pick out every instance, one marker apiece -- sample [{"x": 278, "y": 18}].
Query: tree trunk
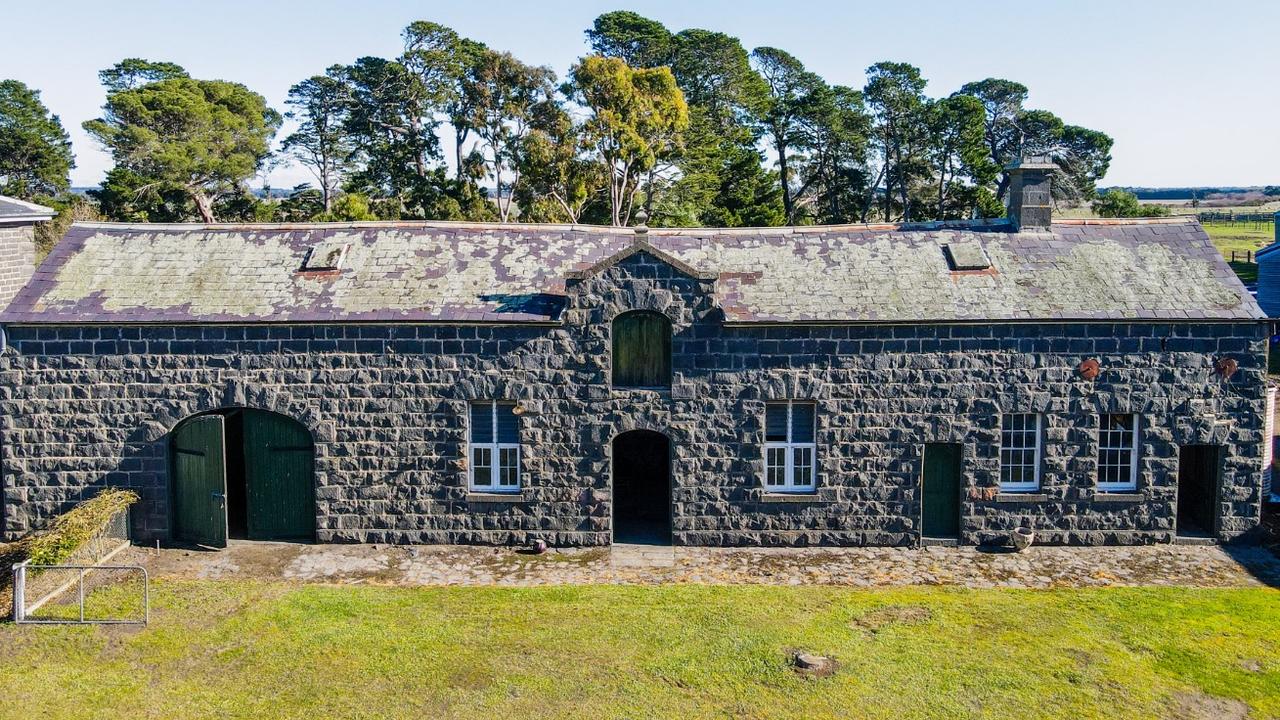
[
  {"x": 326, "y": 183},
  {"x": 204, "y": 205},
  {"x": 788, "y": 202}
]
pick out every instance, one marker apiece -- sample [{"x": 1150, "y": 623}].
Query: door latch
[{"x": 221, "y": 498}]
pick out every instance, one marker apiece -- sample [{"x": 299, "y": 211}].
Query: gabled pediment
[{"x": 636, "y": 247}]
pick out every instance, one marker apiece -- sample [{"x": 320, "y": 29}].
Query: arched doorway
[
  {"x": 642, "y": 488},
  {"x": 242, "y": 473}
]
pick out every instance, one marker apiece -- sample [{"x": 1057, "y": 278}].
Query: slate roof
[
  {"x": 460, "y": 272},
  {"x": 13, "y": 209}
]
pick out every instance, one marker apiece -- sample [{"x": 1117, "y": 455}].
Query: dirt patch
[
  {"x": 257, "y": 560},
  {"x": 813, "y": 665},
  {"x": 881, "y": 618},
  {"x": 1200, "y": 706}
]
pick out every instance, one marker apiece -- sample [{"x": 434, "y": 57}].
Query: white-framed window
[
  {"x": 1118, "y": 452},
  {"x": 1020, "y": 452},
  {"x": 495, "y": 447},
  {"x": 789, "y": 448}
]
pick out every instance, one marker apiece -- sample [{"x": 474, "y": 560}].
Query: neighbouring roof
[
  {"x": 461, "y": 272},
  {"x": 14, "y": 210}
]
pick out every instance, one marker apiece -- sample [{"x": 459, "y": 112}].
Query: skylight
[
  {"x": 966, "y": 255},
  {"x": 327, "y": 255}
]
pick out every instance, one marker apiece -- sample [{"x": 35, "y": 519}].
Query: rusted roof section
[{"x": 461, "y": 272}]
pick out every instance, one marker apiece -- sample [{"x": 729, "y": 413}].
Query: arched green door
[
  {"x": 199, "y": 488},
  {"x": 279, "y": 473}
]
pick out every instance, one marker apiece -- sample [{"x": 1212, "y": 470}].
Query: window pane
[
  {"x": 775, "y": 466},
  {"x": 642, "y": 350},
  {"x": 508, "y": 424},
  {"x": 1019, "y": 440},
  {"x": 1116, "y": 435},
  {"x": 510, "y": 468},
  {"x": 482, "y": 466},
  {"x": 775, "y": 422},
  {"x": 802, "y": 415},
  {"x": 802, "y": 466},
  {"x": 482, "y": 422}
]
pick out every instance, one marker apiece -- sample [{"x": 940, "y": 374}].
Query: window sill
[
  {"x": 797, "y": 497},
  {"x": 1118, "y": 496},
  {"x": 495, "y": 497},
  {"x": 1021, "y": 497}
]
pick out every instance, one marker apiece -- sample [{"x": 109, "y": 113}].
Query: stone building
[
  {"x": 1098, "y": 381},
  {"x": 17, "y": 243}
]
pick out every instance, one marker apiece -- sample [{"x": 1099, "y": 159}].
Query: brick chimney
[
  {"x": 1030, "y": 202},
  {"x": 18, "y": 221}
]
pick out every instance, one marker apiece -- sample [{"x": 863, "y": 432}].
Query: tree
[
  {"x": 559, "y": 180},
  {"x": 322, "y": 107},
  {"x": 442, "y": 61},
  {"x": 637, "y": 40},
  {"x": 895, "y": 97},
  {"x": 351, "y": 207},
  {"x": 507, "y": 95},
  {"x": 203, "y": 138},
  {"x": 781, "y": 113},
  {"x": 35, "y": 150},
  {"x": 1124, "y": 204},
  {"x": 958, "y": 150},
  {"x": 1012, "y": 132},
  {"x": 395, "y": 138},
  {"x": 637, "y": 118},
  {"x": 131, "y": 73},
  {"x": 834, "y": 125}
]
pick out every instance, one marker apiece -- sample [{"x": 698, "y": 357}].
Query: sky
[{"x": 1189, "y": 90}]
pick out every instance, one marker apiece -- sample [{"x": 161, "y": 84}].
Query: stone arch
[{"x": 236, "y": 394}]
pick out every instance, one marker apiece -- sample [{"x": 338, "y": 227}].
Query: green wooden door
[
  {"x": 941, "y": 496},
  {"x": 200, "y": 481},
  {"x": 641, "y": 350},
  {"x": 279, "y": 473}
]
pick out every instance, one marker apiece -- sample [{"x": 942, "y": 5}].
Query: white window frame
[
  {"x": 1034, "y": 485},
  {"x": 495, "y": 450},
  {"x": 792, "y": 484},
  {"x": 1131, "y": 484}
]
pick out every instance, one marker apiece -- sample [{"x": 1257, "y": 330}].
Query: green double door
[
  {"x": 246, "y": 470},
  {"x": 941, "y": 495}
]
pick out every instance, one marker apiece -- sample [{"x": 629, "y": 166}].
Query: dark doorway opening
[
  {"x": 642, "y": 488},
  {"x": 1198, "y": 468},
  {"x": 242, "y": 474},
  {"x": 941, "y": 494}
]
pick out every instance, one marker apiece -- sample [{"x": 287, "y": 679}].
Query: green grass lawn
[
  {"x": 263, "y": 650},
  {"x": 1241, "y": 238}
]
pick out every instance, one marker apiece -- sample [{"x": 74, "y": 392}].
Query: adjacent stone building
[
  {"x": 17, "y": 243},
  {"x": 1098, "y": 381}
]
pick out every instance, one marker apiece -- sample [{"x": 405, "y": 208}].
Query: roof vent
[
  {"x": 966, "y": 256},
  {"x": 327, "y": 255}
]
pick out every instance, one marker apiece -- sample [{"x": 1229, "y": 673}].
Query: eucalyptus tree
[
  {"x": 507, "y": 94},
  {"x": 637, "y": 118}
]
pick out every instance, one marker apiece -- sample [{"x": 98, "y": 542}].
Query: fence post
[{"x": 19, "y": 591}]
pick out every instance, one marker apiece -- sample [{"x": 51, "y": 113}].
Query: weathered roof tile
[{"x": 1160, "y": 269}]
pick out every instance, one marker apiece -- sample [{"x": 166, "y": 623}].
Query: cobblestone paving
[{"x": 1041, "y": 567}]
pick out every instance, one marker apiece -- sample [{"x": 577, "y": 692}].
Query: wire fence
[{"x": 84, "y": 588}]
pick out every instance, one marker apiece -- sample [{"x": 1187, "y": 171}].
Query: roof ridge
[
  {"x": 578, "y": 227},
  {"x": 1166, "y": 220}
]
